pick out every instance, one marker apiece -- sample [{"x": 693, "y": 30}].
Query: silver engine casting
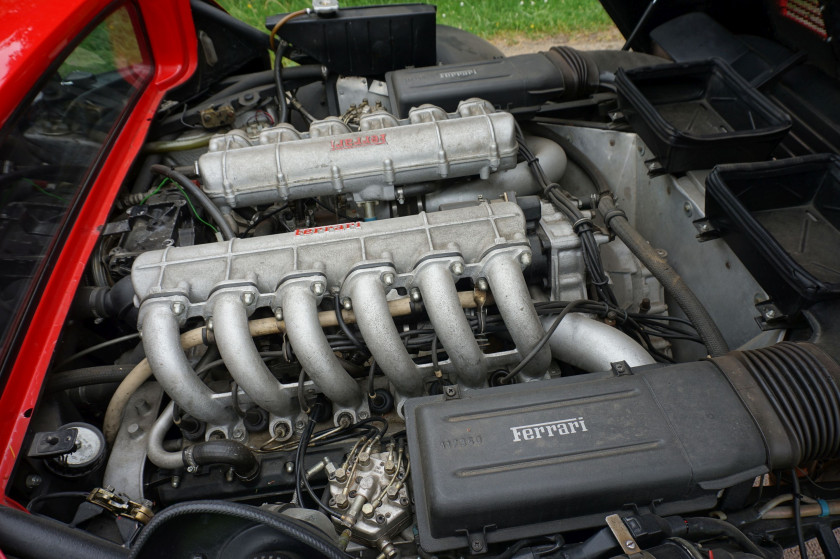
[
  {"x": 429, "y": 145},
  {"x": 365, "y": 263}
]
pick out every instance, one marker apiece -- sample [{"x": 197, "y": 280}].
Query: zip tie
[{"x": 824, "y": 510}]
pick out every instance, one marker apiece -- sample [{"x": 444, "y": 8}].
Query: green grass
[{"x": 487, "y": 18}]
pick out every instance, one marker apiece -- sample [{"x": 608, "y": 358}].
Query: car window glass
[{"x": 50, "y": 148}]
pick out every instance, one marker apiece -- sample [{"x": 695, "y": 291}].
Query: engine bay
[{"x": 375, "y": 304}]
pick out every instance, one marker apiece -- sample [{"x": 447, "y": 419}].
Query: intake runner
[{"x": 422, "y": 255}]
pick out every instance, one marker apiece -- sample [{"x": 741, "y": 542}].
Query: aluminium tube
[
  {"x": 162, "y": 342},
  {"x": 230, "y": 327},
  {"x": 373, "y": 317},
  {"x": 592, "y": 345},
  {"x": 441, "y": 301},
  {"x": 300, "y": 313},
  {"x": 514, "y": 302},
  {"x": 154, "y": 446},
  {"x": 520, "y": 179}
]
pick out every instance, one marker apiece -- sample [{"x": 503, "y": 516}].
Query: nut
[
  {"x": 525, "y": 258},
  {"x": 457, "y": 268},
  {"x": 415, "y": 295},
  {"x": 177, "y": 308},
  {"x": 388, "y": 278},
  {"x": 318, "y": 288},
  {"x": 248, "y": 298}
]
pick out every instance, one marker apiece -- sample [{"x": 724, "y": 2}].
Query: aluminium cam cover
[
  {"x": 331, "y": 159},
  {"x": 332, "y": 251}
]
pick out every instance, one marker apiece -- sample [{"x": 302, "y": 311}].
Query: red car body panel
[{"x": 34, "y": 36}]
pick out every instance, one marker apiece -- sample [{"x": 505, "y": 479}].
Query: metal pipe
[
  {"x": 514, "y": 302},
  {"x": 300, "y": 313},
  {"x": 520, "y": 179},
  {"x": 230, "y": 327},
  {"x": 373, "y": 316},
  {"x": 441, "y": 300},
  {"x": 154, "y": 446},
  {"x": 592, "y": 345},
  {"x": 169, "y": 364}
]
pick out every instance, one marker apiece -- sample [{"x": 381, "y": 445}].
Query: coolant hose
[
  {"x": 87, "y": 376},
  {"x": 674, "y": 285},
  {"x": 285, "y": 526},
  {"x": 231, "y": 453}
]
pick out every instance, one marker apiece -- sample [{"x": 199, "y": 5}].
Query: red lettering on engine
[
  {"x": 328, "y": 228},
  {"x": 360, "y": 141}
]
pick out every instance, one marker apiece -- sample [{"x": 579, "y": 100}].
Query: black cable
[
  {"x": 797, "y": 515},
  {"x": 371, "y": 374},
  {"x": 234, "y": 397},
  {"x": 299, "y": 454},
  {"x": 343, "y": 325},
  {"x": 199, "y": 196},
  {"x": 264, "y": 217},
  {"x": 536, "y": 349},
  {"x": 282, "y": 105}
]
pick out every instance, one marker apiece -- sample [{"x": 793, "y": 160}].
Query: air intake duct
[
  {"x": 526, "y": 80},
  {"x": 540, "y": 458}
]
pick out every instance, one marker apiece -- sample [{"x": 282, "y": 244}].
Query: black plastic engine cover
[{"x": 557, "y": 455}]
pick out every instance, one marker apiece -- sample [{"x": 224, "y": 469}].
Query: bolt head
[
  {"x": 476, "y": 545},
  {"x": 363, "y": 415},
  {"x": 388, "y": 278},
  {"x": 210, "y": 324},
  {"x": 525, "y": 258},
  {"x": 177, "y": 308},
  {"x": 289, "y": 467},
  {"x": 238, "y": 434},
  {"x": 482, "y": 284},
  {"x": 278, "y": 314},
  {"x": 318, "y": 288},
  {"x": 415, "y": 295},
  {"x": 248, "y": 298},
  {"x": 630, "y": 544},
  {"x": 347, "y": 304},
  {"x": 457, "y": 268},
  {"x": 770, "y": 314}
]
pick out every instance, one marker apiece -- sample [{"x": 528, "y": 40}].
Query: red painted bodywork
[{"x": 33, "y": 35}]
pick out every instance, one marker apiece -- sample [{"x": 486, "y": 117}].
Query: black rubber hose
[
  {"x": 87, "y": 376},
  {"x": 699, "y": 528},
  {"x": 288, "y": 527},
  {"x": 199, "y": 196},
  {"x": 669, "y": 278},
  {"x": 227, "y": 452},
  {"x": 236, "y": 26},
  {"x": 34, "y": 537},
  {"x": 283, "y": 107}
]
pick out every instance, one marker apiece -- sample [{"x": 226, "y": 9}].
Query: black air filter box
[
  {"x": 366, "y": 40},
  {"x": 551, "y": 456},
  {"x": 782, "y": 219},
  {"x": 526, "y": 80},
  {"x": 696, "y": 115}
]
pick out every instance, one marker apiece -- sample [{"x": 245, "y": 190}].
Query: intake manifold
[{"x": 366, "y": 264}]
